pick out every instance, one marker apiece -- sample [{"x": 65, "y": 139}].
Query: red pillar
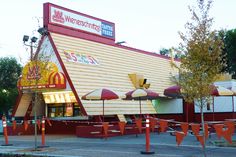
[{"x": 188, "y": 109}]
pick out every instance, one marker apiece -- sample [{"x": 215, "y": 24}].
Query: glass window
[
  {"x": 64, "y": 110},
  {"x": 56, "y": 111},
  {"x": 68, "y": 110}
]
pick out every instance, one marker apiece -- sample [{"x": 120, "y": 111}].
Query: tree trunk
[{"x": 203, "y": 128}]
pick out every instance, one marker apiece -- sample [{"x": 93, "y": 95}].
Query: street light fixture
[
  {"x": 25, "y": 38},
  {"x": 43, "y": 31},
  {"x": 34, "y": 39}
]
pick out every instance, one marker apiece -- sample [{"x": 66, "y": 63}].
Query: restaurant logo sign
[
  {"x": 80, "y": 58},
  {"x": 81, "y": 22},
  {"x": 58, "y": 17},
  {"x": 40, "y": 75}
]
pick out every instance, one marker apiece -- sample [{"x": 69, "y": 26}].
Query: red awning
[{"x": 173, "y": 91}]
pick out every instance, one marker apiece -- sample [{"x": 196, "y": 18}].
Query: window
[{"x": 56, "y": 111}]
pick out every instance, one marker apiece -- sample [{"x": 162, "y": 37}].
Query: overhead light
[
  {"x": 25, "y": 38},
  {"x": 43, "y": 31},
  {"x": 34, "y": 39}
]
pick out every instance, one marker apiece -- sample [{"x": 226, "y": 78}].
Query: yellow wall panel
[
  {"x": 23, "y": 105},
  {"x": 112, "y": 72}
]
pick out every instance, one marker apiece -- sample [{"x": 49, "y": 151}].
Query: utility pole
[{"x": 33, "y": 58}]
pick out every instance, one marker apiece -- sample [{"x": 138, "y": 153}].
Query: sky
[{"x": 147, "y": 25}]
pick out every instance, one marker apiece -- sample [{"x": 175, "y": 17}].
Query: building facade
[{"x": 77, "y": 54}]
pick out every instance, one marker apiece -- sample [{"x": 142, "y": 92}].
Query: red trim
[
  {"x": 67, "y": 75},
  {"x": 45, "y": 14},
  {"x": 17, "y": 103}
]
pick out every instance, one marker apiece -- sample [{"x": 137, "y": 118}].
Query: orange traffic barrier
[
  {"x": 43, "y": 131},
  {"x": 218, "y": 128},
  {"x": 4, "y": 124},
  {"x": 163, "y": 125},
  {"x": 105, "y": 128},
  {"x": 138, "y": 123},
  {"x": 152, "y": 124},
  {"x": 184, "y": 127},
  {"x": 230, "y": 125},
  {"x": 147, "y": 151},
  {"x": 179, "y": 137},
  {"x": 195, "y": 128},
  {"x": 227, "y": 135},
  {"x": 122, "y": 127},
  {"x": 14, "y": 125},
  {"x": 200, "y": 139},
  {"x": 26, "y": 124}
]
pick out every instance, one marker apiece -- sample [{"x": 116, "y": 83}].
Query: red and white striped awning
[
  {"x": 101, "y": 94},
  {"x": 142, "y": 94}
]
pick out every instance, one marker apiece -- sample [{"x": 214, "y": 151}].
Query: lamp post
[{"x": 33, "y": 40}]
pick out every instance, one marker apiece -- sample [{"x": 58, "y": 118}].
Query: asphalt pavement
[{"x": 164, "y": 145}]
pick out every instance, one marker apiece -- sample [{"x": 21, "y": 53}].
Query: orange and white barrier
[
  {"x": 4, "y": 124},
  {"x": 43, "y": 131},
  {"x": 147, "y": 151}
]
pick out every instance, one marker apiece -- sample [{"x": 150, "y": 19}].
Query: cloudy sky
[{"x": 148, "y": 25}]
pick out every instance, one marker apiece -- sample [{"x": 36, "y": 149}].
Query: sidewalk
[{"x": 163, "y": 144}]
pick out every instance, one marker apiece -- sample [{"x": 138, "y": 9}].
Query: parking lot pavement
[{"x": 164, "y": 145}]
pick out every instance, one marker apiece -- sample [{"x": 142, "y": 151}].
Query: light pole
[{"x": 33, "y": 40}]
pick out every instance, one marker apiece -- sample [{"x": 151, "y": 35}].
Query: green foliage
[
  {"x": 230, "y": 51},
  {"x": 201, "y": 61},
  {"x": 164, "y": 52},
  {"x": 10, "y": 71}
]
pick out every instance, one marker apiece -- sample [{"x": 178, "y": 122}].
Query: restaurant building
[{"x": 77, "y": 54}]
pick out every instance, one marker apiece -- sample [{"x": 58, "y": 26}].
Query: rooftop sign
[{"x": 68, "y": 18}]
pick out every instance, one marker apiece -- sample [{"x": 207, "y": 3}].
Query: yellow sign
[
  {"x": 139, "y": 81},
  {"x": 37, "y": 74}
]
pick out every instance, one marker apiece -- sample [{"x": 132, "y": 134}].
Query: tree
[
  {"x": 10, "y": 71},
  {"x": 164, "y": 52},
  {"x": 201, "y": 59},
  {"x": 229, "y": 50}
]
